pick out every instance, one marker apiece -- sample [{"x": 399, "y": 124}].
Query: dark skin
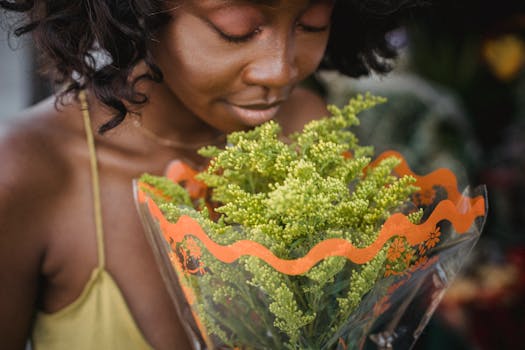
[{"x": 47, "y": 237}]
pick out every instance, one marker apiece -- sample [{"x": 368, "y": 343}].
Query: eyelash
[
  {"x": 244, "y": 38},
  {"x": 311, "y": 29},
  {"x": 236, "y": 39}
]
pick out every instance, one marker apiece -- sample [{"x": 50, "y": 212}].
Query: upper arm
[
  {"x": 18, "y": 274},
  {"x": 21, "y": 244}
]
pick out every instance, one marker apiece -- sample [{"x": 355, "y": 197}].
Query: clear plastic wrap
[{"x": 240, "y": 295}]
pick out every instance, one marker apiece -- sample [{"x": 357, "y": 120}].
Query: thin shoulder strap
[{"x": 94, "y": 179}]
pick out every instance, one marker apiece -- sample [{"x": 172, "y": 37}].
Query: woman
[{"x": 77, "y": 271}]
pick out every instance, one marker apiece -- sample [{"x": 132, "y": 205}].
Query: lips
[{"x": 255, "y": 113}]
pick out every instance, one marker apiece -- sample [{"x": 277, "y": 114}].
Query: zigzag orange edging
[
  {"x": 442, "y": 177},
  {"x": 396, "y": 225}
]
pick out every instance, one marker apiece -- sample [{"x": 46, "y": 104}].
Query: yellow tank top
[{"x": 99, "y": 319}]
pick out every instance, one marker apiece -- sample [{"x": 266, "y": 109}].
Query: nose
[{"x": 274, "y": 66}]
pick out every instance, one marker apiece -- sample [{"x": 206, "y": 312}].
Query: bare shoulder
[
  {"x": 33, "y": 162},
  {"x": 32, "y": 174},
  {"x": 303, "y": 106}
]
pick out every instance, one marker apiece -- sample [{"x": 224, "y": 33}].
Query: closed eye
[
  {"x": 237, "y": 39},
  {"x": 312, "y": 29}
]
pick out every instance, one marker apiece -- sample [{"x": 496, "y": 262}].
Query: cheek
[
  {"x": 310, "y": 52},
  {"x": 192, "y": 61},
  {"x": 197, "y": 64}
]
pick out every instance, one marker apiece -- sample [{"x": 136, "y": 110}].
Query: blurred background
[
  {"x": 20, "y": 84},
  {"x": 456, "y": 100}
]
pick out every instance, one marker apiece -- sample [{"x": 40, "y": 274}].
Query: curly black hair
[{"x": 68, "y": 33}]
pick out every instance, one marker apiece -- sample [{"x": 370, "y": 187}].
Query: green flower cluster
[{"x": 289, "y": 197}]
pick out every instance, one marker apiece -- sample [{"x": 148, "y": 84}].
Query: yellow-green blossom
[{"x": 289, "y": 197}]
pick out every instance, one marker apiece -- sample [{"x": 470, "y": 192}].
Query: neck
[
  {"x": 167, "y": 118},
  {"x": 164, "y": 117}
]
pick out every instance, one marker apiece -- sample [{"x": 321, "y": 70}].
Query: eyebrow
[
  {"x": 274, "y": 2},
  {"x": 269, "y": 3},
  {"x": 266, "y": 2},
  {"x": 256, "y": 2}
]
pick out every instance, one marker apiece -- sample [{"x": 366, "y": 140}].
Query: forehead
[
  {"x": 269, "y": 3},
  {"x": 274, "y": 6}
]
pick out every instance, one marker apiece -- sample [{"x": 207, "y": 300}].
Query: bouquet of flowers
[{"x": 309, "y": 244}]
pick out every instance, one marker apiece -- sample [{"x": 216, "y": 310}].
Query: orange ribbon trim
[
  {"x": 396, "y": 225},
  {"x": 459, "y": 210},
  {"x": 442, "y": 177},
  {"x": 179, "y": 171}
]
